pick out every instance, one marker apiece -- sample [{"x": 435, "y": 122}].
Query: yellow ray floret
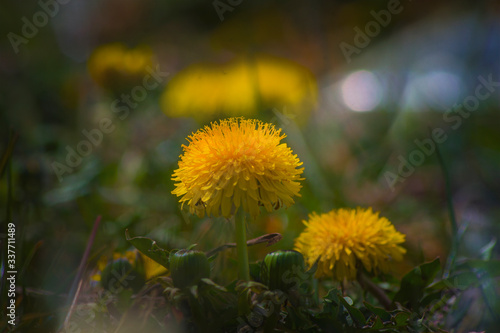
[
  {"x": 345, "y": 238},
  {"x": 237, "y": 163}
]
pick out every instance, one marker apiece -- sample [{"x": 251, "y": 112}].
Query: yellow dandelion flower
[
  {"x": 344, "y": 238},
  {"x": 240, "y": 87},
  {"x": 139, "y": 261},
  {"x": 204, "y": 90},
  {"x": 283, "y": 82},
  {"x": 237, "y": 163},
  {"x": 115, "y": 67}
]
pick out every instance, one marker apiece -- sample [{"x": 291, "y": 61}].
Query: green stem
[
  {"x": 241, "y": 246},
  {"x": 375, "y": 290},
  {"x": 315, "y": 286},
  {"x": 451, "y": 211}
]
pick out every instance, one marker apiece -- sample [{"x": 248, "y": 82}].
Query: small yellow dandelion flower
[
  {"x": 344, "y": 238},
  {"x": 140, "y": 262},
  {"x": 115, "y": 67},
  {"x": 237, "y": 163}
]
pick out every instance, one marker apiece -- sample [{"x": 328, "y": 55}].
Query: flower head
[
  {"x": 117, "y": 68},
  {"x": 136, "y": 259},
  {"x": 237, "y": 163},
  {"x": 239, "y": 87},
  {"x": 343, "y": 238}
]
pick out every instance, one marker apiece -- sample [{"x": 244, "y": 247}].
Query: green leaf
[
  {"x": 432, "y": 298},
  {"x": 413, "y": 284},
  {"x": 332, "y": 296},
  {"x": 149, "y": 248},
  {"x": 254, "y": 286},
  {"x": 216, "y": 298},
  {"x": 194, "y": 291},
  {"x": 490, "y": 297},
  {"x": 192, "y": 246},
  {"x": 28, "y": 259},
  {"x": 356, "y": 315},
  {"x": 378, "y": 324},
  {"x": 255, "y": 270},
  {"x": 207, "y": 283},
  {"x": 460, "y": 281},
  {"x": 401, "y": 319},
  {"x": 488, "y": 249},
  {"x": 313, "y": 268},
  {"x": 379, "y": 312},
  {"x": 331, "y": 304},
  {"x": 244, "y": 302},
  {"x": 485, "y": 273},
  {"x": 212, "y": 258},
  {"x": 490, "y": 267},
  {"x": 349, "y": 300}
]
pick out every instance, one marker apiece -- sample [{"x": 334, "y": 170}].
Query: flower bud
[
  {"x": 283, "y": 270},
  {"x": 188, "y": 268}
]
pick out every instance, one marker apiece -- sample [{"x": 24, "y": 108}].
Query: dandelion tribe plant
[
  {"x": 115, "y": 67},
  {"x": 240, "y": 87},
  {"x": 345, "y": 239},
  {"x": 237, "y": 164}
]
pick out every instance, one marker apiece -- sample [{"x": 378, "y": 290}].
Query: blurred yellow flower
[
  {"x": 240, "y": 88},
  {"x": 343, "y": 238},
  {"x": 237, "y": 162},
  {"x": 116, "y": 67},
  {"x": 139, "y": 261}
]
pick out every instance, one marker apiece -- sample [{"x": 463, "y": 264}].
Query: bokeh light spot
[{"x": 361, "y": 91}]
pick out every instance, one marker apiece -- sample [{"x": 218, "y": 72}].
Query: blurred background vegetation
[{"x": 348, "y": 118}]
